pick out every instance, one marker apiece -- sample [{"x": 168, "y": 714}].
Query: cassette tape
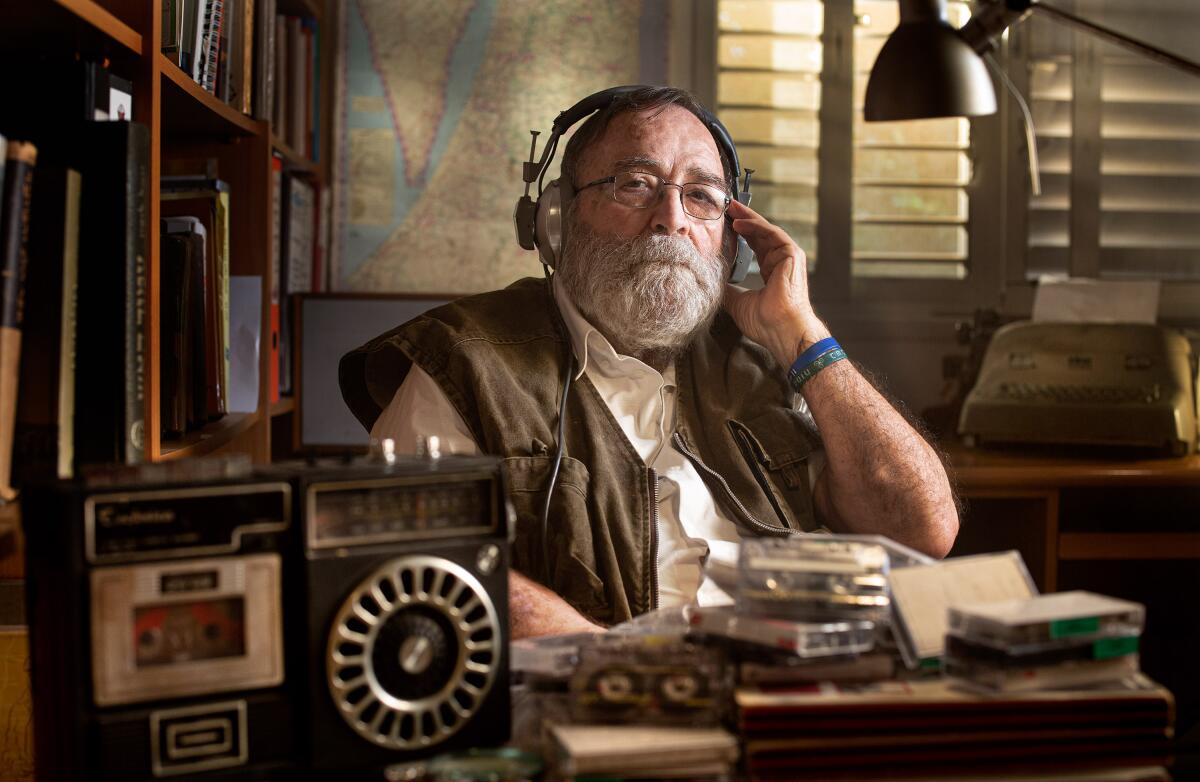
[
  {"x": 984, "y": 677},
  {"x": 1055, "y": 618},
  {"x": 813, "y": 579},
  {"x": 801, "y": 639},
  {"x": 169, "y": 629},
  {"x": 654, "y": 679}
]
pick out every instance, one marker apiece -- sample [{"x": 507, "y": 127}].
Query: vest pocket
[
  {"x": 776, "y": 446},
  {"x": 572, "y": 571}
]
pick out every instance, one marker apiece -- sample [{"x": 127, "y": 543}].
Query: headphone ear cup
[
  {"x": 742, "y": 260},
  {"x": 548, "y": 225}
]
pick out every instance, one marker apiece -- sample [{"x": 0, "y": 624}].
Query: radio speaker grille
[{"x": 413, "y": 652}]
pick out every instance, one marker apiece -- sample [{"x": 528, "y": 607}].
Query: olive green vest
[{"x": 500, "y": 359}]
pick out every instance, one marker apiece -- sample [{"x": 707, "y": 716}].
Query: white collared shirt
[{"x": 691, "y": 527}]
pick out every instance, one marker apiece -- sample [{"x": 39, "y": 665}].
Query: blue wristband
[
  {"x": 806, "y": 358},
  {"x": 813, "y": 360}
]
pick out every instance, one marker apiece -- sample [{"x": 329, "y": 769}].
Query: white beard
[{"x": 647, "y": 294}]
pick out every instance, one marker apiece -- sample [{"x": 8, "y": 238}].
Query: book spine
[
  {"x": 279, "y": 116},
  {"x": 136, "y": 192},
  {"x": 297, "y": 102},
  {"x": 46, "y": 396},
  {"x": 245, "y": 72},
  {"x": 65, "y": 463},
  {"x": 223, "y": 298},
  {"x": 199, "y": 10},
  {"x": 214, "y": 45},
  {"x": 264, "y": 29},
  {"x": 276, "y": 265},
  {"x": 310, "y": 81},
  {"x": 20, "y": 159}
]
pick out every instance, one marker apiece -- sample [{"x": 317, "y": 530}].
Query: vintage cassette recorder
[
  {"x": 405, "y": 597},
  {"x": 156, "y": 629},
  {"x": 304, "y": 621}
]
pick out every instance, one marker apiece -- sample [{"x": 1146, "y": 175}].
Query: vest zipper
[
  {"x": 653, "y": 538},
  {"x": 747, "y": 516}
]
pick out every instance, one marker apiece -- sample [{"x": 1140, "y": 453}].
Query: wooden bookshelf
[
  {"x": 186, "y": 123},
  {"x": 67, "y": 26},
  {"x": 283, "y": 406},
  {"x": 190, "y": 110},
  {"x": 212, "y": 438},
  {"x": 293, "y": 160}
]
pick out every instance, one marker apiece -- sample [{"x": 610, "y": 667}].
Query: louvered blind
[
  {"x": 910, "y": 202},
  {"x": 1137, "y": 196},
  {"x": 769, "y": 60}
]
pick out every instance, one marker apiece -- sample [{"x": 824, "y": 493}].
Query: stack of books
[
  {"x": 258, "y": 61},
  {"x": 932, "y": 727}
]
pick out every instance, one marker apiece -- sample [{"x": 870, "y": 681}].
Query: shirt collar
[{"x": 590, "y": 344}]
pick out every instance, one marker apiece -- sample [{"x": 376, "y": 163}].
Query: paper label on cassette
[{"x": 167, "y": 629}]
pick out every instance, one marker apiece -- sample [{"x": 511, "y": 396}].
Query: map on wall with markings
[{"x": 437, "y": 98}]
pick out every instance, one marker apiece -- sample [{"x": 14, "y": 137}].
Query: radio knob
[
  {"x": 487, "y": 558},
  {"x": 429, "y": 446},
  {"x": 415, "y": 654}
]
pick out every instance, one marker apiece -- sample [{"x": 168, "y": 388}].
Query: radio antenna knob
[{"x": 429, "y": 446}]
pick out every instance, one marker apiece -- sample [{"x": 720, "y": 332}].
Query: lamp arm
[
  {"x": 1120, "y": 39},
  {"x": 992, "y": 19}
]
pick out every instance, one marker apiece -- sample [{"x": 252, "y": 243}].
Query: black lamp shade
[{"x": 926, "y": 69}]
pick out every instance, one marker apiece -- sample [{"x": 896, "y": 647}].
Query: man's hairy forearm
[
  {"x": 535, "y": 610},
  {"x": 881, "y": 475}
]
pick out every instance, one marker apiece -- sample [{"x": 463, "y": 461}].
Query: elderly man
[{"x": 666, "y": 389}]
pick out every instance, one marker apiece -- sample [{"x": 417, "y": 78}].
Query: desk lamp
[{"x": 927, "y": 68}]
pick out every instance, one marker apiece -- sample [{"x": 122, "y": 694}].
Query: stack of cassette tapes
[
  {"x": 812, "y": 597},
  {"x": 648, "y": 679},
  {"x": 1056, "y": 641}
]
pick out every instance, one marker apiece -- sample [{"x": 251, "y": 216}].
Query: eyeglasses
[{"x": 640, "y": 190}]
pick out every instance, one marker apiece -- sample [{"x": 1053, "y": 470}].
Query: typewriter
[{"x": 1088, "y": 384}]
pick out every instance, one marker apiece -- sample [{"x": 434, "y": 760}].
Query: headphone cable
[
  {"x": 558, "y": 451},
  {"x": 558, "y": 454}
]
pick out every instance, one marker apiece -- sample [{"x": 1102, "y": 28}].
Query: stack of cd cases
[
  {"x": 1064, "y": 640},
  {"x": 811, "y": 596}
]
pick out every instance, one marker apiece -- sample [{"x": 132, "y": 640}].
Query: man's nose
[{"x": 668, "y": 215}]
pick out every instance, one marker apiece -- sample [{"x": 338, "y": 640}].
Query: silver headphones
[{"x": 540, "y": 224}]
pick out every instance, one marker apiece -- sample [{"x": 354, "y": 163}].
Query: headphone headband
[{"x": 540, "y": 225}]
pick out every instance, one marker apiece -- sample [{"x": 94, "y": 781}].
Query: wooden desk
[
  {"x": 1123, "y": 527},
  {"x": 1059, "y": 509}
]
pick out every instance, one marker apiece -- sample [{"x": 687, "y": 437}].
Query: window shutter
[
  {"x": 1119, "y": 141},
  {"x": 910, "y": 199},
  {"x": 768, "y": 95}
]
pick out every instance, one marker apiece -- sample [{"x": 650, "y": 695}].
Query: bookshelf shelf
[
  {"x": 68, "y": 26},
  {"x": 293, "y": 159},
  {"x": 284, "y": 406},
  {"x": 213, "y": 437},
  {"x": 189, "y": 108},
  {"x": 299, "y": 8}
]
